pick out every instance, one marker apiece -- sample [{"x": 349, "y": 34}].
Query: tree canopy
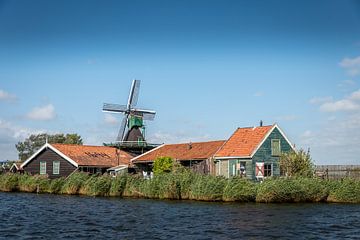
[
  {"x": 163, "y": 165},
  {"x": 297, "y": 164},
  {"x": 35, "y": 141}
]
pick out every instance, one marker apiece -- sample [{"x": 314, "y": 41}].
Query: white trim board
[{"x": 152, "y": 150}]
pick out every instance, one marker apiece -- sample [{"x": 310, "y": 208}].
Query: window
[
  {"x": 275, "y": 147},
  {"x": 42, "y": 167},
  {"x": 267, "y": 170},
  {"x": 56, "y": 167}
]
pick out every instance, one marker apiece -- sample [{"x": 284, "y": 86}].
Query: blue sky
[{"x": 207, "y": 67}]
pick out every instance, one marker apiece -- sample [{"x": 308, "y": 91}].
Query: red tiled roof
[
  {"x": 94, "y": 155},
  {"x": 183, "y": 151},
  {"x": 243, "y": 142}
]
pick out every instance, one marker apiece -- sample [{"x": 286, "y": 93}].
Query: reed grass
[{"x": 188, "y": 185}]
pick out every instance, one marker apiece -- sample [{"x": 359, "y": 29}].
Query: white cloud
[
  {"x": 110, "y": 119},
  {"x": 319, "y": 100},
  {"x": 44, "y": 113},
  {"x": 351, "y": 65},
  {"x": 347, "y": 83},
  {"x": 341, "y": 105},
  {"x": 336, "y": 142},
  {"x": 176, "y": 137},
  {"x": 355, "y": 95},
  {"x": 5, "y": 96},
  {"x": 10, "y": 134},
  {"x": 349, "y": 103}
]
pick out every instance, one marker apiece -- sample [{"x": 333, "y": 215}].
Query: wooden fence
[{"x": 338, "y": 171}]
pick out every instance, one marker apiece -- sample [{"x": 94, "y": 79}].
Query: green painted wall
[{"x": 264, "y": 152}]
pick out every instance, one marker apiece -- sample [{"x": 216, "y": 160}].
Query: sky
[{"x": 206, "y": 68}]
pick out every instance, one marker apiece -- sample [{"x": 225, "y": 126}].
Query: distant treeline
[{"x": 188, "y": 185}]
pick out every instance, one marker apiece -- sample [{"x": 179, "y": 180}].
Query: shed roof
[
  {"x": 182, "y": 151},
  {"x": 244, "y": 141}
]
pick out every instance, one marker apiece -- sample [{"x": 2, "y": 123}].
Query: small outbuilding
[{"x": 60, "y": 160}]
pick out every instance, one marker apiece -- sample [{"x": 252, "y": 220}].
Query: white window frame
[
  {"x": 58, "y": 167},
  {"x": 43, "y": 172}
]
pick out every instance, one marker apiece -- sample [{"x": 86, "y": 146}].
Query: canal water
[{"x": 31, "y": 216}]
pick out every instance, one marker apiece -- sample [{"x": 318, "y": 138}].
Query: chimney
[
  {"x": 261, "y": 123},
  {"x": 190, "y": 145}
]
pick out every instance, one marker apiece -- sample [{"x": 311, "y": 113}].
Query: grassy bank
[{"x": 187, "y": 185}]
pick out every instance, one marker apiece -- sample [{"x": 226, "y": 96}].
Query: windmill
[{"x": 133, "y": 116}]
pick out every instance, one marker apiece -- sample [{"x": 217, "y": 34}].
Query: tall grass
[{"x": 188, "y": 185}]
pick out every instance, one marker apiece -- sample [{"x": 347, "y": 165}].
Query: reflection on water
[{"x": 31, "y": 216}]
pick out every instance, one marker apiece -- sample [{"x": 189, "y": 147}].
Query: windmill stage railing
[{"x": 132, "y": 144}]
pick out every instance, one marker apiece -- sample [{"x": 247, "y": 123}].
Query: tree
[
  {"x": 163, "y": 165},
  {"x": 297, "y": 164},
  {"x": 35, "y": 141}
]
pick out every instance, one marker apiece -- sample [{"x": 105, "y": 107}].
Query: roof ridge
[
  {"x": 78, "y": 145},
  {"x": 167, "y": 144}
]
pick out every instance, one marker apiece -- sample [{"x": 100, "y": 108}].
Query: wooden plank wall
[{"x": 338, "y": 171}]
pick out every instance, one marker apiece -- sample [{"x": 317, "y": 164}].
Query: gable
[{"x": 264, "y": 151}]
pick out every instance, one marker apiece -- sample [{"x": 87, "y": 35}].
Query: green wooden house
[{"x": 252, "y": 153}]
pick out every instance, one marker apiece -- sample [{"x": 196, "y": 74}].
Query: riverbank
[{"x": 187, "y": 185}]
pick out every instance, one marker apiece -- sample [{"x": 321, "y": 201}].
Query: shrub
[
  {"x": 36, "y": 183},
  {"x": 56, "y": 185},
  {"x": 74, "y": 182},
  {"x": 346, "y": 190},
  {"x": 297, "y": 164},
  {"x": 207, "y": 188},
  {"x": 163, "y": 165},
  {"x": 118, "y": 185},
  {"x": 96, "y": 186},
  {"x": 292, "y": 190},
  {"x": 238, "y": 189},
  {"x": 9, "y": 182}
]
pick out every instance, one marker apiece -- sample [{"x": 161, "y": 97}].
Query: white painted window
[
  {"x": 56, "y": 167},
  {"x": 42, "y": 167}
]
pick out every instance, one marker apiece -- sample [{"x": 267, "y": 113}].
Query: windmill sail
[
  {"x": 134, "y": 94},
  {"x": 110, "y": 107},
  {"x": 120, "y": 136}
]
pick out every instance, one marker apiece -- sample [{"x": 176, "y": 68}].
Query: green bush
[
  {"x": 118, "y": 185},
  {"x": 9, "y": 182},
  {"x": 238, "y": 189},
  {"x": 292, "y": 190},
  {"x": 163, "y": 165},
  {"x": 134, "y": 185},
  {"x": 36, "y": 183},
  {"x": 74, "y": 182},
  {"x": 346, "y": 190},
  {"x": 96, "y": 185},
  {"x": 56, "y": 185},
  {"x": 207, "y": 188}
]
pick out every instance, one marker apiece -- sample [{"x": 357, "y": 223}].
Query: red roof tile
[
  {"x": 94, "y": 155},
  {"x": 183, "y": 151},
  {"x": 243, "y": 142}
]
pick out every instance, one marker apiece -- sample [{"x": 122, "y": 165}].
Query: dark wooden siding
[{"x": 49, "y": 156}]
